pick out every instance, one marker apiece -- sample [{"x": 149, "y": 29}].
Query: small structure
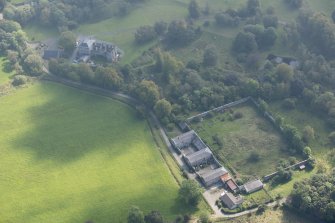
[
  {"x": 183, "y": 126},
  {"x": 230, "y": 200},
  {"x": 232, "y": 186},
  {"x": 225, "y": 178},
  {"x": 302, "y": 167},
  {"x": 52, "y": 54},
  {"x": 253, "y": 186},
  {"x": 212, "y": 176},
  {"x": 198, "y": 158}
]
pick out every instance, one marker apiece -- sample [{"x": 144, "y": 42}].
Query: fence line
[{"x": 268, "y": 177}]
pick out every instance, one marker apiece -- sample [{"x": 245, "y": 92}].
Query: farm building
[
  {"x": 230, "y": 200},
  {"x": 198, "y": 158},
  {"x": 211, "y": 177},
  {"x": 253, "y": 186},
  {"x": 188, "y": 139},
  {"x": 92, "y": 47}
]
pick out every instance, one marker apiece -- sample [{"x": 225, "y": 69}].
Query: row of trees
[
  {"x": 22, "y": 58},
  {"x": 175, "y": 34},
  {"x": 67, "y": 14}
]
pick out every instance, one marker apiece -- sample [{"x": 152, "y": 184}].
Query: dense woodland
[{"x": 174, "y": 88}]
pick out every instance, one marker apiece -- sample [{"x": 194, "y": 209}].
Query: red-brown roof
[
  {"x": 232, "y": 185},
  {"x": 225, "y": 177}
]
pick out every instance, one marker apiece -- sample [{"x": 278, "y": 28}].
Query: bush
[
  {"x": 238, "y": 115},
  {"x": 19, "y": 80},
  {"x": 289, "y": 103},
  {"x": 254, "y": 157}
]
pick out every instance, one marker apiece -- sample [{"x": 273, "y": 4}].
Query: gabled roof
[
  {"x": 230, "y": 200},
  {"x": 253, "y": 185},
  {"x": 213, "y": 174},
  {"x": 199, "y": 155},
  {"x": 232, "y": 185},
  {"x": 184, "y": 139}
]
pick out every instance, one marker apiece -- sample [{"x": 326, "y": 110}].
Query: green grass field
[
  {"x": 70, "y": 156},
  {"x": 4, "y": 75},
  {"x": 242, "y": 137}
]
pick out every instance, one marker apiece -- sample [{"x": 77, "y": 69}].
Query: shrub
[
  {"x": 238, "y": 115},
  {"x": 19, "y": 80},
  {"x": 254, "y": 157},
  {"x": 289, "y": 104}
]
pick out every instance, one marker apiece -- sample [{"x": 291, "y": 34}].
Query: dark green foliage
[
  {"x": 244, "y": 43},
  {"x": 225, "y": 19},
  {"x": 254, "y": 157},
  {"x": 193, "y": 9},
  {"x": 180, "y": 33},
  {"x": 210, "y": 57},
  {"x": 154, "y": 217},
  {"x": 190, "y": 192},
  {"x": 270, "y": 21},
  {"x": 135, "y": 215},
  {"x": 332, "y": 138},
  {"x": 289, "y": 103},
  {"x": 160, "y": 27},
  {"x": 19, "y": 80},
  {"x": 147, "y": 92},
  {"x": 295, "y": 4},
  {"x": 67, "y": 41},
  {"x": 144, "y": 34},
  {"x": 318, "y": 30},
  {"x": 163, "y": 108},
  {"x": 315, "y": 196}
]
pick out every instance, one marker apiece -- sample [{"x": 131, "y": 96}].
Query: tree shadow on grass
[
  {"x": 73, "y": 123},
  {"x": 145, "y": 201}
]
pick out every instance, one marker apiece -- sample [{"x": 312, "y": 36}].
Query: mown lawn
[
  {"x": 70, "y": 156},
  {"x": 251, "y": 134},
  {"x": 4, "y": 74}
]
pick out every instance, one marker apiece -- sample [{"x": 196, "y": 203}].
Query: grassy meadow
[
  {"x": 70, "y": 156},
  {"x": 242, "y": 137}
]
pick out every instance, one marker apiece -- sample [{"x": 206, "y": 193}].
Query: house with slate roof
[
  {"x": 230, "y": 200},
  {"x": 212, "y": 176}
]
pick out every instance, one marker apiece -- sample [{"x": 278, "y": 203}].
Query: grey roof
[
  {"x": 253, "y": 185},
  {"x": 48, "y": 54},
  {"x": 199, "y": 155},
  {"x": 230, "y": 200},
  {"x": 184, "y": 139},
  {"x": 213, "y": 174}
]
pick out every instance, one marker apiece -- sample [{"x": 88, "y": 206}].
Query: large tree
[
  {"x": 163, "y": 108},
  {"x": 190, "y": 192},
  {"x": 67, "y": 40},
  {"x": 147, "y": 92},
  {"x": 193, "y": 9}
]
